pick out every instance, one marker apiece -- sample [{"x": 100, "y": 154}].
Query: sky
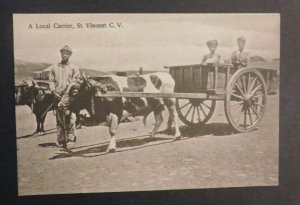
[{"x": 151, "y": 41}]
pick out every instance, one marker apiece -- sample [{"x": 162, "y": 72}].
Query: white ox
[{"x": 159, "y": 82}]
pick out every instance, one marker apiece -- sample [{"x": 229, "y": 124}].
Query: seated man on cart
[
  {"x": 239, "y": 58},
  {"x": 212, "y": 57}
]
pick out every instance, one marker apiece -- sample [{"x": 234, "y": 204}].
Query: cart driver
[
  {"x": 239, "y": 58},
  {"x": 62, "y": 75},
  {"x": 212, "y": 57}
]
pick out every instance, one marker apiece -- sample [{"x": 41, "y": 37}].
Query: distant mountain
[
  {"x": 256, "y": 59},
  {"x": 24, "y": 70}
]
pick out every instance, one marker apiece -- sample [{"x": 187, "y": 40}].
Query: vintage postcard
[{"x": 142, "y": 102}]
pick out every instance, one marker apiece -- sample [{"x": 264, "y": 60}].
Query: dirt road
[{"x": 209, "y": 157}]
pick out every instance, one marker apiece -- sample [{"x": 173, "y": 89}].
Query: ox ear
[
  {"x": 85, "y": 79},
  {"x": 29, "y": 83},
  {"x": 35, "y": 84}
]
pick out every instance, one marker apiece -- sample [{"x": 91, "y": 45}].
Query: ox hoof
[
  {"x": 112, "y": 150},
  {"x": 59, "y": 144},
  {"x": 41, "y": 133},
  {"x": 177, "y": 138},
  {"x": 70, "y": 145}
]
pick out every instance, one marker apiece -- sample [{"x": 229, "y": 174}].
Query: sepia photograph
[{"x": 145, "y": 102}]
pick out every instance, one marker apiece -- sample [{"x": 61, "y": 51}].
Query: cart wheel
[
  {"x": 246, "y": 99},
  {"x": 195, "y": 112}
]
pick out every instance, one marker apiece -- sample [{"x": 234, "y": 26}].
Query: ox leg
[
  {"x": 60, "y": 128},
  {"x": 42, "y": 121},
  {"x": 70, "y": 129},
  {"x": 158, "y": 120},
  {"x": 78, "y": 123},
  {"x": 37, "y": 125},
  {"x": 173, "y": 117},
  {"x": 112, "y": 121}
]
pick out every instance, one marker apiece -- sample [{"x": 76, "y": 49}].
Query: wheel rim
[
  {"x": 246, "y": 101},
  {"x": 195, "y": 112}
]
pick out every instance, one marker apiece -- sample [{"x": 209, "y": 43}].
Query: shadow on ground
[
  {"x": 143, "y": 141},
  {"x": 47, "y": 132}
]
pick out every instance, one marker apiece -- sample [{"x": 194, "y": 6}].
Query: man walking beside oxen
[{"x": 61, "y": 76}]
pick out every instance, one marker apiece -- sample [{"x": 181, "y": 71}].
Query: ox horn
[
  {"x": 85, "y": 78},
  {"x": 35, "y": 84}
]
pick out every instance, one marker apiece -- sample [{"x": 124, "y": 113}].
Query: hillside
[{"x": 24, "y": 70}]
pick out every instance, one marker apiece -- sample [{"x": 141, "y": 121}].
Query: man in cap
[
  {"x": 212, "y": 57},
  {"x": 239, "y": 58},
  {"x": 62, "y": 75}
]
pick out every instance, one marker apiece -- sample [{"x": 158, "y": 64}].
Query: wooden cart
[{"x": 198, "y": 87}]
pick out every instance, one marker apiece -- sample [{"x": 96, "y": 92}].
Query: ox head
[
  {"x": 78, "y": 95},
  {"x": 22, "y": 93},
  {"x": 28, "y": 92}
]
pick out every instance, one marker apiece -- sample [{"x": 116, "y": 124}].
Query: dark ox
[
  {"x": 31, "y": 94},
  {"x": 112, "y": 108},
  {"x": 39, "y": 99}
]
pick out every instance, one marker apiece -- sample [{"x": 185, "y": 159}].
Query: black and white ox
[
  {"x": 110, "y": 109},
  {"x": 31, "y": 94}
]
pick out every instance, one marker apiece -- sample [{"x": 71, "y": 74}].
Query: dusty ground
[{"x": 209, "y": 157}]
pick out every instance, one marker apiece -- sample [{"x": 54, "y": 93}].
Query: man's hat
[
  {"x": 241, "y": 38},
  {"x": 66, "y": 48},
  {"x": 212, "y": 43}
]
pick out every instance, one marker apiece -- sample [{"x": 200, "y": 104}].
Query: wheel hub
[
  {"x": 196, "y": 102},
  {"x": 247, "y": 100}
]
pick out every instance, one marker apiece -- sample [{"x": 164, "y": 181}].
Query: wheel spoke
[
  {"x": 252, "y": 84},
  {"x": 250, "y": 117},
  {"x": 255, "y": 89},
  {"x": 205, "y": 105},
  {"x": 244, "y": 86},
  {"x": 257, "y": 115},
  {"x": 199, "y": 118},
  {"x": 184, "y": 105},
  {"x": 202, "y": 110},
  {"x": 236, "y": 85},
  {"x": 236, "y": 103},
  {"x": 235, "y": 111},
  {"x": 193, "y": 114},
  {"x": 259, "y": 95},
  {"x": 248, "y": 83},
  {"x": 259, "y": 104},
  {"x": 245, "y": 118},
  {"x": 238, "y": 96},
  {"x": 239, "y": 116},
  {"x": 188, "y": 111}
]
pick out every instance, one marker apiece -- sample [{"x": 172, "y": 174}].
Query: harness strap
[{"x": 47, "y": 110}]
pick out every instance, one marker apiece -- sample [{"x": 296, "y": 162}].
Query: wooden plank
[
  {"x": 182, "y": 80},
  {"x": 215, "y": 83},
  {"x": 219, "y": 96},
  {"x": 227, "y": 76},
  {"x": 200, "y": 77},
  {"x": 191, "y": 83},
  {"x": 189, "y": 65}
]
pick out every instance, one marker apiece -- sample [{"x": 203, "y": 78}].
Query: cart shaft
[{"x": 213, "y": 96}]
